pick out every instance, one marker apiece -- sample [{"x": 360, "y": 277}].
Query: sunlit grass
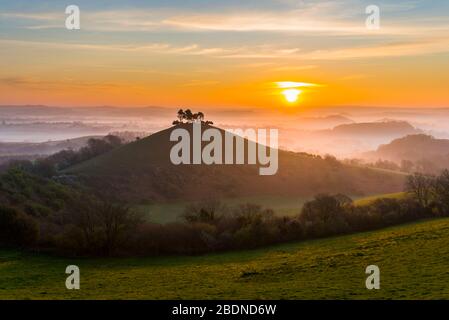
[
  {"x": 371, "y": 199},
  {"x": 282, "y": 205},
  {"x": 412, "y": 259}
]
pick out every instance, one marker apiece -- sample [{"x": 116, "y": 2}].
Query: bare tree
[
  {"x": 421, "y": 187},
  {"x": 116, "y": 223},
  {"x": 105, "y": 226},
  {"x": 442, "y": 192}
]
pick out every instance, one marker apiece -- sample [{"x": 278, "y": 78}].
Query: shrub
[
  {"x": 252, "y": 214},
  {"x": 17, "y": 229},
  {"x": 104, "y": 227},
  {"x": 325, "y": 215}
]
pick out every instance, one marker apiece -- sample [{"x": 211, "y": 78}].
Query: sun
[
  {"x": 291, "y": 95},
  {"x": 292, "y": 90}
]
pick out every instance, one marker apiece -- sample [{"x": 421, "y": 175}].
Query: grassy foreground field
[{"x": 413, "y": 260}]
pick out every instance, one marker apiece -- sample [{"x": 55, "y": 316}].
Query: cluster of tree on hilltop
[{"x": 189, "y": 117}]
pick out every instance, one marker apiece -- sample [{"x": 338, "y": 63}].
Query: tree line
[
  {"x": 71, "y": 221},
  {"x": 430, "y": 191}
]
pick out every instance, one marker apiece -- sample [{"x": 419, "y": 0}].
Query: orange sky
[{"x": 192, "y": 60}]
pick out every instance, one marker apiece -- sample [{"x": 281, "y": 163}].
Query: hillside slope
[
  {"x": 412, "y": 261},
  {"x": 383, "y": 128},
  {"x": 142, "y": 170},
  {"x": 411, "y": 147}
]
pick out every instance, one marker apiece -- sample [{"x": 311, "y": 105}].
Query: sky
[{"x": 225, "y": 54}]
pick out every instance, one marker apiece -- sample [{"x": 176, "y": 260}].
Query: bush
[
  {"x": 17, "y": 229},
  {"x": 324, "y": 216},
  {"x": 252, "y": 214},
  {"x": 45, "y": 213},
  {"x": 103, "y": 227}
]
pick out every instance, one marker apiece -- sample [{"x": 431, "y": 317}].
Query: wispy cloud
[
  {"x": 163, "y": 48},
  {"x": 43, "y": 84},
  {"x": 294, "y": 68},
  {"x": 389, "y": 49},
  {"x": 325, "y": 17},
  {"x": 292, "y": 84},
  {"x": 393, "y": 49},
  {"x": 201, "y": 83},
  {"x": 39, "y": 16}
]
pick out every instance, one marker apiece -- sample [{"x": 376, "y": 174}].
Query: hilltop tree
[
  {"x": 190, "y": 117},
  {"x": 181, "y": 116}
]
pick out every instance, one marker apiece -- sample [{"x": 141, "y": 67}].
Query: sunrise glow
[
  {"x": 222, "y": 55},
  {"x": 291, "y": 95}
]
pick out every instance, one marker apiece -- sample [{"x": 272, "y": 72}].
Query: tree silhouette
[
  {"x": 181, "y": 115},
  {"x": 190, "y": 117}
]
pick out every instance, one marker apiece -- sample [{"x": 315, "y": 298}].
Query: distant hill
[
  {"x": 33, "y": 150},
  {"x": 350, "y": 139},
  {"x": 411, "y": 147},
  {"x": 422, "y": 153},
  {"x": 142, "y": 171},
  {"x": 317, "y": 123},
  {"x": 42, "y": 148},
  {"x": 10, "y": 151},
  {"x": 384, "y": 128}
]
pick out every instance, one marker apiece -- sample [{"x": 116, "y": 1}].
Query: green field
[
  {"x": 371, "y": 199},
  {"x": 171, "y": 212},
  {"x": 283, "y": 206},
  {"x": 413, "y": 259}
]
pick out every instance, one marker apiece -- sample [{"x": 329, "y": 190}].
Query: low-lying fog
[{"x": 344, "y": 132}]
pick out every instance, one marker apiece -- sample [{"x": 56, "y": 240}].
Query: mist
[{"x": 344, "y": 132}]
